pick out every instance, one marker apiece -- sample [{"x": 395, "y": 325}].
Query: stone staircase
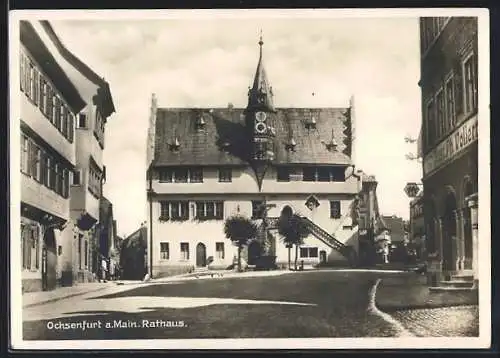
[
  {"x": 458, "y": 282},
  {"x": 325, "y": 237}
]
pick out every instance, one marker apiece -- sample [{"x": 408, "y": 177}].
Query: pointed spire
[{"x": 260, "y": 95}]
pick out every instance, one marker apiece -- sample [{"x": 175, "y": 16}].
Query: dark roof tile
[{"x": 203, "y": 147}]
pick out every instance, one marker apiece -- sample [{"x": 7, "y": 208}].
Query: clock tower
[{"x": 260, "y": 119}]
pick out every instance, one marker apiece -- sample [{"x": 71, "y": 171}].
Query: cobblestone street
[{"x": 441, "y": 322}]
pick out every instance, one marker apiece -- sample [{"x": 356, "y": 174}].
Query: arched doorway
[
  {"x": 254, "y": 252},
  {"x": 201, "y": 255},
  {"x": 449, "y": 232},
  {"x": 468, "y": 190},
  {"x": 286, "y": 211},
  {"x": 322, "y": 257},
  {"x": 49, "y": 260}
]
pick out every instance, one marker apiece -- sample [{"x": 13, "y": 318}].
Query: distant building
[
  {"x": 417, "y": 226},
  {"x": 106, "y": 248},
  {"x": 369, "y": 221},
  {"x": 396, "y": 228},
  {"x": 449, "y": 85},
  {"x": 206, "y": 164},
  {"x": 133, "y": 263},
  {"x": 61, "y": 159}
]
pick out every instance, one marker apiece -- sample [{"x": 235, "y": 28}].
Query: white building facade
[
  {"x": 206, "y": 165},
  {"x": 61, "y": 161}
]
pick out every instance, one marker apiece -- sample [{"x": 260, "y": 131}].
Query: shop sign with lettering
[{"x": 456, "y": 143}]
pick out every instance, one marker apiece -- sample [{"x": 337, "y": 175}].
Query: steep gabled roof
[
  {"x": 396, "y": 226},
  {"x": 200, "y": 146},
  {"x": 227, "y": 125},
  {"x": 108, "y": 105}
]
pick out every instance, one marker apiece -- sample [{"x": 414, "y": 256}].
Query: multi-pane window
[
  {"x": 95, "y": 179},
  {"x": 184, "y": 251},
  {"x": 196, "y": 175},
  {"x": 164, "y": 251},
  {"x": 225, "y": 175},
  {"x": 258, "y": 209},
  {"x": 431, "y": 123},
  {"x": 458, "y": 89},
  {"x": 219, "y": 250},
  {"x": 308, "y": 252},
  {"x": 181, "y": 175},
  {"x": 430, "y": 28},
  {"x": 441, "y": 123},
  {"x": 174, "y": 210},
  {"x": 450, "y": 103},
  {"x": 470, "y": 81},
  {"x": 335, "y": 209},
  {"x": 77, "y": 177},
  {"x": 43, "y": 95},
  {"x": 209, "y": 210},
  {"x": 323, "y": 174},
  {"x": 30, "y": 241},
  {"x": 82, "y": 120},
  {"x": 309, "y": 174},
  {"x": 43, "y": 166},
  {"x": 283, "y": 174},
  {"x": 99, "y": 128},
  {"x": 37, "y": 87}
]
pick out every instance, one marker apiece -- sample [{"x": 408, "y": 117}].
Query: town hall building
[{"x": 208, "y": 164}]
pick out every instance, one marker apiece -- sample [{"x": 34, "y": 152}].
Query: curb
[
  {"x": 372, "y": 308},
  {"x": 52, "y": 300}
]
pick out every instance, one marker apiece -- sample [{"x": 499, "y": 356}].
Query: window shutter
[
  {"x": 43, "y": 166},
  {"x": 35, "y": 86},
  {"x": 22, "y": 72},
  {"x": 459, "y": 93},
  {"x": 71, "y": 127}
]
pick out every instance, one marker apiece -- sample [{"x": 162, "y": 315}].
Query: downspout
[{"x": 150, "y": 194}]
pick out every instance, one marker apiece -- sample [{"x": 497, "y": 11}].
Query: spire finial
[{"x": 260, "y": 38}]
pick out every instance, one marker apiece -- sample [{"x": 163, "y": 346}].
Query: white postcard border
[{"x": 483, "y": 341}]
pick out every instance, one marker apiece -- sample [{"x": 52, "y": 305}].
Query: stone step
[
  {"x": 464, "y": 277},
  {"x": 457, "y": 283},
  {"x": 452, "y": 289}
]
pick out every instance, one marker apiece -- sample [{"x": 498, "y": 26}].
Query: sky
[{"x": 211, "y": 62}]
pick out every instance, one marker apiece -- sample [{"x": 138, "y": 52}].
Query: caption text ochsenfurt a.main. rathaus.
[{"x": 113, "y": 324}]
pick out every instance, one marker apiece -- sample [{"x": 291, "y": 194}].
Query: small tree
[
  {"x": 240, "y": 230},
  {"x": 293, "y": 230}
]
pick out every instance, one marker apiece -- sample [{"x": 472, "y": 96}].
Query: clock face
[{"x": 260, "y": 116}]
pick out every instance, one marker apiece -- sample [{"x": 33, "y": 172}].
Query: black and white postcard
[{"x": 250, "y": 179}]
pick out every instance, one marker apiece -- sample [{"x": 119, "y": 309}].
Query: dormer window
[
  {"x": 311, "y": 123},
  {"x": 175, "y": 145},
  {"x": 332, "y": 145},
  {"x": 225, "y": 146},
  {"x": 290, "y": 146},
  {"x": 200, "y": 122}
]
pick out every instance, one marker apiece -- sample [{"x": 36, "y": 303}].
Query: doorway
[
  {"x": 322, "y": 257},
  {"x": 467, "y": 229},
  {"x": 201, "y": 255},
  {"x": 449, "y": 233},
  {"x": 254, "y": 251},
  {"x": 49, "y": 260}
]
